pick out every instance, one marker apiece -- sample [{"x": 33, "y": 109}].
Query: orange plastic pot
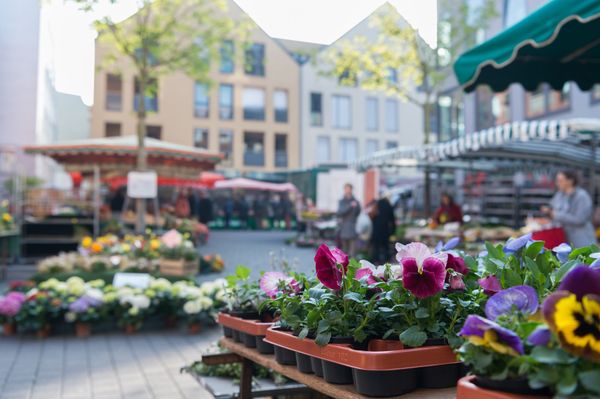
[
  {"x": 83, "y": 330},
  {"x": 9, "y": 329},
  {"x": 252, "y": 327},
  {"x": 375, "y": 360},
  {"x": 466, "y": 389}
]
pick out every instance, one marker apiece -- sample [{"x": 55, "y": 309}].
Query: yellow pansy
[{"x": 490, "y": 340}]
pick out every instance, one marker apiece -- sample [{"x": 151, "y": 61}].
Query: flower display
[
  {"x": 483, "y": 332},
  {"x": 274, "y": 282},
  {"x": 331, "y": 264},
  {"x": 423, "y": 273},
  {"x": 520, "y": 298},
  {"x": 490, "y": 284}
]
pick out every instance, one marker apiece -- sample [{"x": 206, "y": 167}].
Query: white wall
[
  {"x": 410, "y": 117},
  {"x": 72, "y": 117}
]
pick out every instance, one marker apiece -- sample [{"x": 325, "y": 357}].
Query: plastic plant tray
[
  {"x": 466, "y": 389},
  {"x": 251, "y": 327}
]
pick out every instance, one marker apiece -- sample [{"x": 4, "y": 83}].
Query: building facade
[
  {"x": 250, "y": 113},
  {"x": 459, "y": 113},
  {"x": 340, "y": 123}
]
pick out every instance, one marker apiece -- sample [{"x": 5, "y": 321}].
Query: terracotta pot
[
  {"x": 9, "y": 328},
  {"x": 130, "y": 329},
  {"x": 194, "y": 328},
  {"x": 466, "y": 389},
  {"x": 83, "y": 330},
  {"x": 43, "y": 332}
]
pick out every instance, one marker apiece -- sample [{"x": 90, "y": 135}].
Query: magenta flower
[
  {"x": 456, "y": 282},
  {"x": 331, "y": 264},
  {"x": 490, "y": 285},
  {"x": 368, "y": 272},
  {"x": 274, "y": 282},
  {"x": 423, "y": 273},
  {"x": 457, "y": 264},
  {"x": 9, "y": 307},
  {"x": 16, "y": 296}
]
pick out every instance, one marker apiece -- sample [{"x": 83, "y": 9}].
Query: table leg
[{"x": 246, "y": 380}]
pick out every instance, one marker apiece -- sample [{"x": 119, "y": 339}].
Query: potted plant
[
  {"x": 196, "y": 312},
  {"x": 84, "y": 311},
  {"x": 514, "y": 351},
  {"x": 10, "y": 305},
  {"x": 38, "y": 312},
  {"x": 133, "y": 308},
  {"x": 178, "y": 255}
]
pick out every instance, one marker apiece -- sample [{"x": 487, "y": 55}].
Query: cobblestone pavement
[{"x": 112, "y": 366}]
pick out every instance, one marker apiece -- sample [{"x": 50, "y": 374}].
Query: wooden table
[{"x": 310, "y": 380}]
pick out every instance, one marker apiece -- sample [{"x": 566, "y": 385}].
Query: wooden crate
[{"x": 178, "y": 267}]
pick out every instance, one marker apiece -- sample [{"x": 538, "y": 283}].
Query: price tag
[{"x": 142, "y": 184}]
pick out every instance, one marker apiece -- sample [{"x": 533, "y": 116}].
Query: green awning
[{"x": 558, "y": 43}]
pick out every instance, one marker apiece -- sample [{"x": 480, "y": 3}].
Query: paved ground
[{"x": 145, "y": 365}]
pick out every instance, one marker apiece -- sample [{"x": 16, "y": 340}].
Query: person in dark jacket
[
  {"x": 348, "y": 211},
  {"x": 448, "y": 212},
  {"x": 384, "y": 225},
  {"x": 205, "y": 208}
]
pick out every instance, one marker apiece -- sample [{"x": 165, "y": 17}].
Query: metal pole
[
  {"x": 592, "y": 184},
  {"x": 96, "y": 201}
]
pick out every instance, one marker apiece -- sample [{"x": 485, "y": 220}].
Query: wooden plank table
[{"x": 314, "y": 382}]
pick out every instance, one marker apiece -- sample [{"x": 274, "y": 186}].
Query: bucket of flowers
[
  {"x": 10, "y": 305},
  {"x": 178, "y": 256}
]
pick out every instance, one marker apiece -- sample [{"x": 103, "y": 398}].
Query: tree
[
  {"x": 398, "y": 49},
  {"x": 165, "y": 36}
]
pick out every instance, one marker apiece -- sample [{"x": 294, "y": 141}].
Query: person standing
[
  {"x": 205, "y": 208},
  {"x": 571, "y": 208},
  {"x": 384, "y": 225},
  {"x": 348, "y": 211},
  {"x": 448, "y": 212}
]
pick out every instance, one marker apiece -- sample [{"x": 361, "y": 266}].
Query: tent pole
[
  {"x": 592, "y": 184},
  {"x": 96, "y": 200}
]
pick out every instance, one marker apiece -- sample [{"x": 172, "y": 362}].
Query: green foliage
[{"x": 243, "y": 294}]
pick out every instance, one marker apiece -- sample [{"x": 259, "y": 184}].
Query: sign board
[
  {"x": 134, "y": 280},
  {"x": 142, "y": 184}
]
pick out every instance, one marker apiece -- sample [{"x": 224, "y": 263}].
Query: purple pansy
[
  {"x": 562, "y": 251},
  {"x": 450, "y": 244},
  {"x": 522, "y": 298},
  {"x": 331, "y": 264},
  {"x": 515, "y": 244},
  {"x": 540, "y": 336},
  {"x": 581, "y": 280},
  {"x": 596, "y": 263},
  {"x": 490, "y": 285},
  {"x": 484, "y": 332}
]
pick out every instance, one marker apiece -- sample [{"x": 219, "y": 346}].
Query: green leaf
[
  {"x": 568, "y": 383},
  {"x": 493, "y": 251},
  {"x": 550, "y": 356},
  {"x": 323, "y": 339},
  {"x": 323, "y": 326},
  {"x": 534, "y": 249},
  {"x": 422, "y": 313},
  {"x": 303, "y": 333},
  {"x": 591, "y": 380},
  {"x": 353, "y": 296},
  {"x": 413, "y": 336},
  {"x": 242, "y": 272},
  {"x": 563, "y": 270},
  {"x": 512, "y": 278}
]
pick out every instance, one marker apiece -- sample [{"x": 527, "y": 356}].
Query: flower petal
[
  {"x": 514, "y": 244},
  {"x": 457, "y": 264},
  {"x": 426, "y": 282},
  {"x": 269, "y": 282},
  {"x": 326, "y": 267},
  {"x": 490, "y": 284},
  {"x": 416, "y": 250},
  {"x": 582, "y": 280},
  {"x": 540, "y": 336},
  {"x": 521, "y": 297},
  {"x": 477, "y": 326},
  {"x": 562, "y": 251},
  {"x": 451, "y": 244}
]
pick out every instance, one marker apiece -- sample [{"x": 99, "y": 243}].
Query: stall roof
[
  {"x": 549, "y": 142},
  {"x": 249, "y": 184}
]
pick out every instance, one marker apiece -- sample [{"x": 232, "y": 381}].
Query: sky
[{"x": 319, "y": 21}]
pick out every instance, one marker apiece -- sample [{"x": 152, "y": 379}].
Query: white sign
[
  {"x": 133, "y": 280},
  {"x": 142, "y": 184}
]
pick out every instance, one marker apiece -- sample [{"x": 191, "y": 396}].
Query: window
[
  {"x": 323, "y": 149},
  {"x": 154, "y": 132},
  {"x": 254, "y": 149},
  {"x": 201, "y": 100},
  {"x": 544, "y": 100},
  {"x": 254, "y": 104},
  {"x": 316, "y": 109},
  {"x": 226, "y": 102},
  {"x": 391, "y": 115},
  {"x": 112, "y": 129},
  {"x": 372, "y": 146},
  {"x": 372, "y": 114},
  {"x": 114, "y": 95},
  {"x": 514, "y": 11},
  {"x": 280, "y": 102},
  {"x": 393, "y": 76},
  {"x": 201, "y": 138},
  {"x": 451, "y": 117},
  {"x": 150, "y": 100},
  {"x": 227, "y": 52},
  {"x": 341, "y": 112},
  {"x": 255, "y": 60},
  {"x": 595, "y": 93},
  {"x": 348, "y": 150},
  {"x": 281, "y": 160},
  {"x": 390, "y": 145},
  {"x": 492, "y": 109},
  {"x": 226, "y": 146}
]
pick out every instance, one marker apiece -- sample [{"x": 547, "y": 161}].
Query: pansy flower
[
  {"x": 515, "y": 244},
  {"x": 596, "y": 262},
  {"x": 423, "y": 273},
  {"x": 562, "y": 252},
  {"x": 457, "y": 264},
  {"x": 273, "y": 282},
  {"x": 331, "y": 265},
  {"x": 450, "y": 244},
  {"x": 483, "y": 332},
  {"x": 540, "y": 336},
  {"x": 490, "y": 284},
  {"x": 373, "y": 274},
  {"x": 521, "y": 298},
  {"x": 573, "y": 312}
]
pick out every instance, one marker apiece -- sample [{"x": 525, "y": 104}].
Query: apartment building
[
  {"x": 459, "y": 113},
  {"x": 339, "y": 123},
  {"x": 250, "y": 113}
]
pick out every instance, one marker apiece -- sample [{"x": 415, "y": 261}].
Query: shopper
[
  {"x": 384, "y": 225},
  {"x": 571, "y": 208},
  {"x": 348, "y": 211},
  {"x": 205, "y": 208},
  {"x": 448, "y": 211}
]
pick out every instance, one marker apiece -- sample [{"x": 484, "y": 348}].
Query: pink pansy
[
  {"x": 172, "y": 238},
  {"x": 423, "y": 273},
  {"x": 456, "y": 282},
  {"x": 376, "y": 273},
  {"x": 270, "y": 283},
  {"x": 457, "y": 264},
  {"x": 490, "y": 285},
  {"x": 331, "y": 264}
]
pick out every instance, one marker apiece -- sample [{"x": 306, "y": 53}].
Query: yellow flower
[
  {"x": 154, "y": 244},
  {"x": 96, "y": 247},
  {"x": 126, "y": 247},
  {"x": 578, "y": 323},
  {"x": 490, "y": 339},
  {"x": 87, "y": 242},
  {"x": 6, "y": 217}
]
